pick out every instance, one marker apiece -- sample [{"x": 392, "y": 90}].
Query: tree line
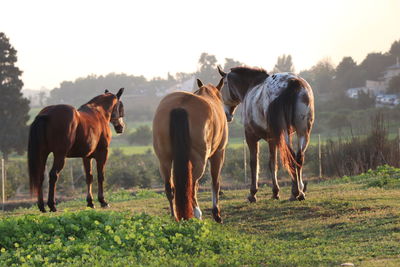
[{"x": 329, "y": 84}]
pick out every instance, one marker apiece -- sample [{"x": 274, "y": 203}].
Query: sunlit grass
[{"x": 343, "y": 220}]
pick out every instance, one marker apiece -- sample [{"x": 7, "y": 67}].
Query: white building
[{"x": 379, "y": 88}]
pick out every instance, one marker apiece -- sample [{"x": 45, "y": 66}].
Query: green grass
[
  {"x": 130, "y": 150},
  {"x": 351, "y": 219}
]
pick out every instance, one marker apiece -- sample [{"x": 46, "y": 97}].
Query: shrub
[{"x": 142, "y": 136}]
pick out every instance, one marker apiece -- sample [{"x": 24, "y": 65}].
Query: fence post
[
  {"x": 3, "y": 181},
  {"x": 72, "y": 178},
  {"x": 319, "y": 156},
  {"x": 398, "y": 138},
  {"x": 244, "y": 161}
]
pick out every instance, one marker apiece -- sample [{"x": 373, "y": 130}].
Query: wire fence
[{"x": 324, "y": 158}]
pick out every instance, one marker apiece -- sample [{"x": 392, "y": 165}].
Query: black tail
[
  {"x": 182, "y": 167},
  {"x": 280, "y": 120},
  {"x": 36, "y": 141}
]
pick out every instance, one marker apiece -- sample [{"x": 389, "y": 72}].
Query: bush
[
  {"x": 357, "y": 154},
  {"x": 142, "y": 136},
  {"x": 95, "y": 238}
]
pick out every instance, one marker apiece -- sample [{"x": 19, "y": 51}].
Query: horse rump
[
  {"x": 182, "y": 167},
  {"x": 36, "y": 141},
  {"x": 280, "y": 118}
]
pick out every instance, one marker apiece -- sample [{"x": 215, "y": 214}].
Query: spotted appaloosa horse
[
  {"x": 188, "y": 130},
  {"x": 274, "y": 107},
  {"x": 66, "y": 132}
]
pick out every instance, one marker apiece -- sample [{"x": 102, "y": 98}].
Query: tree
[
  {"x": 347, "y": 74},
  {"x": 394, "y": 85},
  {"x": 395, "y": 49},
  {"x": 320, "y": 77},
  {"x": 374, "y": 65},
  {"x": 42, "y": 98},
  {"x": 284, "y": 64},
  {"x": 142, "y": 136},
  {"x": 365, "y": 100},
  {"x": 207, "y": 71},
  {"x": 231, "y": 63},
  {"x": 14, "y": 107}
]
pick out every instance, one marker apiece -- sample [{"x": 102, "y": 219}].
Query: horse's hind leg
[
  {"x": 216, "y": 162},
  {"x": 252, "y": 143},
  {"x": 199, "y": 164},
  {"x": 58, "y": 165},
  {"x": 273, "y": 168},
  {"x": 87, "y": 164},
  {"x": 42, "y": 169},
  {"x": 165, "y": 171},
  {"x": 303, "y": 140}
]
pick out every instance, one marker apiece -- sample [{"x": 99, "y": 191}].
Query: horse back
[
  {"x": 277, "y": 92},
  {"x": 207, "y": 123}
]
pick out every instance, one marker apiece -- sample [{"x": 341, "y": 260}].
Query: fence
[{"x": 323, "y": 159}]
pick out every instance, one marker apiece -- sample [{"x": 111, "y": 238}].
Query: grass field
[{"x": 351, "y": 219}]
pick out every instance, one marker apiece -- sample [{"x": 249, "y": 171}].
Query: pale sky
[{"x": 67, "y": 39}]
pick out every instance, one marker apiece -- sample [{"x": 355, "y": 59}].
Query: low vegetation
[{"x": 350, "y": 219}]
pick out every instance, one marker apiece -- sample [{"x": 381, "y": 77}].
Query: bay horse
[
  {"x": 274, "y": 107},
  {"x": 67, "y": 132},
  {"x": 188, "y": 130}
]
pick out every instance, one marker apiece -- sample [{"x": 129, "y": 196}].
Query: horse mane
[
  {"x": 99, "y": 100},
  {"x": 253, "y": 75},
  {"x": 247, "y": 77},
  {"x": 244, "y": 70}
]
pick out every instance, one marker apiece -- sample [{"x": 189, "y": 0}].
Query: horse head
[
  {"x": 209, "y": 89},
  {"x": 230, "y": 100},
  {"x": 117, "y": 113}
]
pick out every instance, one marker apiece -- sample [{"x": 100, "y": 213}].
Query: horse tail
[
  {"x": 182, "y": 167},
  {"x": 280, "y": 117},
  {"x": 36, "y": 140}
]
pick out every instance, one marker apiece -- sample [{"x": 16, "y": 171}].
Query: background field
[{"x": 351, "y": 219}]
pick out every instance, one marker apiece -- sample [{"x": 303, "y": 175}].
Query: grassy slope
[{"x": 339, "y": 222}]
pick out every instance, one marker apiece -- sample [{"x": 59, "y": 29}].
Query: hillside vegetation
[{"x": 351, "y": 219}]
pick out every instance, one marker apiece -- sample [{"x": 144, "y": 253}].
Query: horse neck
[
  {"x": 104, "y": 108},
  {"x": 240, "y": 85},
  {"x": 210, "y": 96},
  {"x": 237, "y": 90}
]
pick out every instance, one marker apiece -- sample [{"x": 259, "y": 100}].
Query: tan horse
[{"x": 188, "y": 130}]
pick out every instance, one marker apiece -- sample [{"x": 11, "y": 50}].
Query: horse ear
[
  {"x": 221, "y": 72},
  {"x": 220, "y": 84},
  {"x": 106, "y": 91},
  {"x": 199, "y": 83},
  {"x": 120, "y": 92}
]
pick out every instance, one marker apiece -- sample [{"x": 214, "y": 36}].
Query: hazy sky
[{"x": 66, "y": 39}]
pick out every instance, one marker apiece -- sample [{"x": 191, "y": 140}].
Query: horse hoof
[
  {"x": 277, "y": 197},
  {"x": 104, "y": 205},
  {"x": 53, "y": 209},
  {"x": 218, "y": 220},
  {"x": 91, "y": 206},
  {"x": 301, "y": 197},
  {"x": 252, "y": 198},
  {"x": 42, "y": 208},
  {"x": 292, "y": 198},
  {"x": 216, "y": 215}
]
